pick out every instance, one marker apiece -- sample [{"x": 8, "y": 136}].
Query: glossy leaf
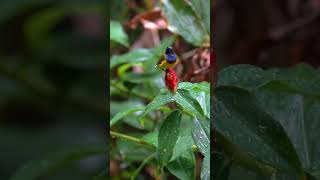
[
  {"x": 291, "y": 97},
  {"x": 201, "y": 135},
  {"x": 117, "y": 33},
  {"x": 244, "y": 122},
  {"x": 168, "y": 136},
  {"x": 184, "y": 21}
]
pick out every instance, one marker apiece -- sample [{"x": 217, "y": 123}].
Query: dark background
[
  {"x": 268, "y": 33},
  {"x": 52, "y": 83}
]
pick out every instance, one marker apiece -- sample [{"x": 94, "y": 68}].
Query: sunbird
[{"x": 168, "y": 60}]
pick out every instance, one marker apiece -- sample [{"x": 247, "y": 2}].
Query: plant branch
[{"x": 132, "y": 139}]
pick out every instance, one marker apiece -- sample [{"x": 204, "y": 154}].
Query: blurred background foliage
[
  {"x": 140, "y": 31},
  {"x": 52, "y": 95},
  {"x": 267, "y": 33}
]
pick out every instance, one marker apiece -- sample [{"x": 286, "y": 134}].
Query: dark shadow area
[{"x": 52, "y": 87}]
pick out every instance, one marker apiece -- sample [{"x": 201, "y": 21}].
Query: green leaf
[
  {"x": 151, "y": 138},
  {"x": 201, "y": 135},
  {"x": 117, "y": 33},
  {"x": 183, "y": 167},
  {"x": 199, "y": 92},
  {"x": 148, "y": 57},
  {"x": 141, "y": 77},
  {"x": 168, "y": 136},
  {"x": 126, "y": 147},
  {"x": 183, "y": 21},
  {"x": 194, "y": 99},
  {"x": 134, "y": 56},
  {"x": 291, "y": 97},
  {"x": 122, "y": 114},
  {"x": 205, "y": 170},
  {"x": 161, "y": 99},
  {"x": 37, "y": 169},
  {"x": 250, "y": 127},
  {"x": 185, "y": 141},
  {"x": 202, "y": 9}
]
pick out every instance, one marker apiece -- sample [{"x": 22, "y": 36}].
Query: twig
[{"x": 132, "y": 139}]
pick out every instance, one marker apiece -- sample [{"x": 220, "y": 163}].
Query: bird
[{"x": 168, "y": 60}]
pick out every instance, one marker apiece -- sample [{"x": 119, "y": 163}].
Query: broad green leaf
[
  {"x": 300, "y": 78},
  {"x": 244, "y": 76},
  {"x": 202, "y": 10},
  {"x": 201, "y": 93},
  {"x": 183, "y": 166},
  {"x": 39, "y": 168},
  {"x": 194, "y": 99},
  {"x": 251, "y": 128},
  {"x": 117, "y": 33},
  {"x": 168, "y": 136},
  {"x": 201, "y": 135},
  {"x": 298, "y": 114},
  {"x": 184, "y": 21},
  {"x": 240, "y": 157},
  {"x": 290, "y": 96},
  {"x": 122, "y": 114},
  {"x": 161, "y": 99},
  {"x": 205, "y": 170},
  {"x": 188, "y": 104},
  {"x": 185, "y": 141},
  {"x": 134, "y": 56}
]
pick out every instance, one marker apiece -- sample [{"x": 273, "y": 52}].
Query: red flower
[{"x": 171, "y": 80}]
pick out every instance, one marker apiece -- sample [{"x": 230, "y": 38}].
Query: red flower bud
[{"x": 171, "y": 80}]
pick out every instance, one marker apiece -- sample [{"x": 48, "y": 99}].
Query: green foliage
[
  {"x": 117, "y": 34},
  {"x": 166, "y": 130},
  {"x": 268, "y": 120},
  {"x": 190, "y": 19},
  {"x": 38, "y": 169},
  {"x": 167, "y": 137}
]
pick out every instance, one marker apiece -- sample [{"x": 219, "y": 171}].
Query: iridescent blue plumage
[{"x": 168, "y": 60}]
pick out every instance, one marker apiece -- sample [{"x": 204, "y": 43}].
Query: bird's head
[{"x": 169, "y": 50}]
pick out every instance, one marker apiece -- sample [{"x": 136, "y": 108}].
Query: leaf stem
[
  {"x": 131, "y": 138},
  {"x": 146, "y": 161}
]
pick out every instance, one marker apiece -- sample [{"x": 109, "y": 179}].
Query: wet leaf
[
  {"x": 250, "y": 127},
  {"x": 201, "y": 135},
  {"x": 168, "y": 136}
]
